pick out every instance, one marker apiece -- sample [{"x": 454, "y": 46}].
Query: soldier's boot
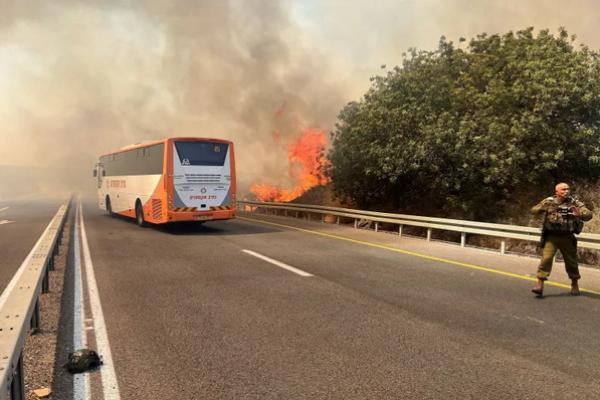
[
  {"x": 539, "y": 287},
  {"x": 575, "y": 288}
]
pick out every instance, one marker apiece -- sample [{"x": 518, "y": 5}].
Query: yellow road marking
[{"x": 412, "y": 253}]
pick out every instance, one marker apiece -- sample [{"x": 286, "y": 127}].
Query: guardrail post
[
  {"x": 463, "y": 239},
  {"x": 35, "y": 317},
  {"x": 322, "y": 218},
  {"x": 296, "y": 214},
  {"x": 428, "y": 234},
  {"x": 376, "y": 226},
  {"x": 51, "y": 262},
  {"x": 355, "y": 224},
  {"x": 337, "y": 221},
  {"x": 503, "y": 247},
  {"x": 400, "y": 230},
  {"x": 46, "y": 281},
  {"x": 17, "y": 386}
]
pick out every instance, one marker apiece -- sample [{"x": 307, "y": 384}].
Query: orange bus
[{"x": 169, "y": 180}]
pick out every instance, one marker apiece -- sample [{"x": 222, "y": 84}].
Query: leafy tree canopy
[{"x": 461, "y": 129}]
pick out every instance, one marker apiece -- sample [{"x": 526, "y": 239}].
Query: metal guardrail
[
  {"x": 19, "y": 305},
  {"x": 585, "y": 240}
]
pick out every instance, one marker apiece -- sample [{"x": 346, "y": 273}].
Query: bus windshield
[{"x": 202, "y": 153}]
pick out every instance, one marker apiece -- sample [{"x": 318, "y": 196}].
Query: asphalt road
[
  {"x": 190, "y": 315},
  {"x": 21, "y": 225}
]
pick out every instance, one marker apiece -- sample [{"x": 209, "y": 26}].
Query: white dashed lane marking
[
  {"x": 277, "y": 263},
  {"x": 5, "y": 221}
]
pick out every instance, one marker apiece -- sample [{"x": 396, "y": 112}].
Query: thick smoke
[
  {"x": 82, "y": 78},
  {"x": 367, "y": 34},
  {"x": 79, "y": 79}
]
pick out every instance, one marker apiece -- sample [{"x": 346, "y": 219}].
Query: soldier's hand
[{"x": 575, "y": 211}]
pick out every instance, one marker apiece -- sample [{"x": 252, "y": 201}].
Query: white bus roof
[{"x": 153, "y": 142}]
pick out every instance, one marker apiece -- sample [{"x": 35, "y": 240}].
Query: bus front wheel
[{"x": 139, "y": 214}]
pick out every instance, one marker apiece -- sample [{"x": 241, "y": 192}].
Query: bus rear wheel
[
  {"x": 108, "y": 206},
  {"x": 139, "y": 214}
]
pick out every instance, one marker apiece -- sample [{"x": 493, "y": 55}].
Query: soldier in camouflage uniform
[{"x": 563, "y": 218}]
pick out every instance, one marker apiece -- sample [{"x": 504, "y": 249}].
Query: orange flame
[{"x": 307, "y": 163}]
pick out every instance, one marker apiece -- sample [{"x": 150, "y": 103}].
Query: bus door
[{"x": 99, "y": 174}]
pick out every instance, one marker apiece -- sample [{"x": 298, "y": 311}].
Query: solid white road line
[
  {"x": 81, "y": 382},
  {"x": 4, "y": 208},
  {"x": 110, "y": 386},
  {"x": 278, "y": 263}
]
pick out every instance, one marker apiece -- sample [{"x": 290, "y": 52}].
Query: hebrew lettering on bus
[{"x": 119, "y": 183}]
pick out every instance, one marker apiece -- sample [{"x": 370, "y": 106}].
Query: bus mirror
[{"x": 95, "y": 173}]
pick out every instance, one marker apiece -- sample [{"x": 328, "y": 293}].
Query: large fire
[{"x": 307, "y": 163}]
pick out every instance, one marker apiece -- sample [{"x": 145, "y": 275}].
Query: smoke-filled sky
[{"x": 81, "y": 78}]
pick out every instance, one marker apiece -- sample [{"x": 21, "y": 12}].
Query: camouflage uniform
[{"x": 561, "y": 225}]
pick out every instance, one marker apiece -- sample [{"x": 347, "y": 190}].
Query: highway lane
[
  {"x": 21, "y": 224},
  {"x": 190, "y": 315}
]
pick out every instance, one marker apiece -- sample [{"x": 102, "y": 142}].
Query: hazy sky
[{"x": 78, "y": 79}]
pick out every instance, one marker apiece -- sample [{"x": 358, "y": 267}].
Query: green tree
[{"x": 462, "y": 129}]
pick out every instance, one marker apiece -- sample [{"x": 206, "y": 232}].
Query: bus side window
[
  {"x": 103, "y": 172},
  {"x": 95, "y": 173}
]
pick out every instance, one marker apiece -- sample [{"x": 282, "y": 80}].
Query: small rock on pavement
[{"x": 42, "y": 393}]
